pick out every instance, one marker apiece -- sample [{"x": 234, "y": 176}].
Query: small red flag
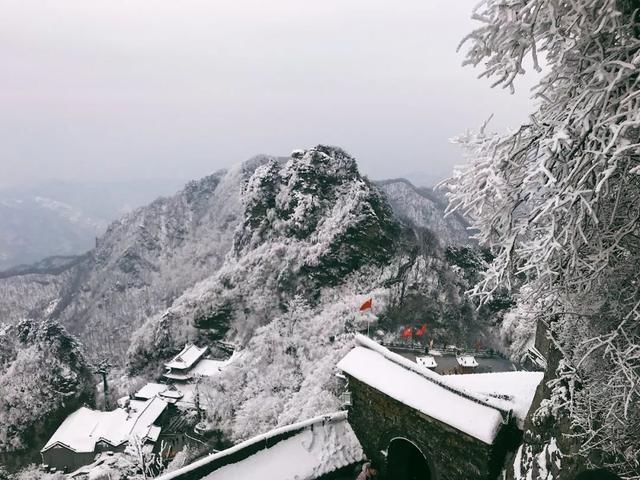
[
  {"x": 421, "y": 331},
  {"x": 366, "y": 305},
  {"x": 407, "y": 332}
]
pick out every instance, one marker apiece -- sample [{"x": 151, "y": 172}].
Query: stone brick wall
[{"x": 451, "y": 454}]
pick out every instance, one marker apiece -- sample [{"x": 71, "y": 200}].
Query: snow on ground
[
  {"x": 422, "y": 390},
  {"x": 208, "y": 368},
  {"x": 507, "y": 390},
  {"x": 150, "y": 390}
]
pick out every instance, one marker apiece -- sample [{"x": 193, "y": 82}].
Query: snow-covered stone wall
[{"x": 377, "y": 419}]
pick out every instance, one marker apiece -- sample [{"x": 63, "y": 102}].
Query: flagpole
[{"x": 368, "y": 305}]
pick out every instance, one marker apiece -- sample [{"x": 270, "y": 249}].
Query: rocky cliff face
[
  {"x": 44, "y": 377},
  {"x": 308, "y": 223}
]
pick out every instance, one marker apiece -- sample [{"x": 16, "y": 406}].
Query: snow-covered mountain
[
  {"x": 142, "y": 262},
  {"x": 311, "y": 218},
  {"x": 315, "y": 240},
  {"x": 275, "y": 255},
  {"x": 43, "y": 377},
  {"x": 36, "y": 227}
]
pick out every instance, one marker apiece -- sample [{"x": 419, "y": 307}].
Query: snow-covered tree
[
  {"x": 43, "y": 377},
  {"x": 558, "y": 200},
  {"x": 287, "y": 371}
]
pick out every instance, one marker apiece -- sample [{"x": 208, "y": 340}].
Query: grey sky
[{"x": 115, "y": 89}]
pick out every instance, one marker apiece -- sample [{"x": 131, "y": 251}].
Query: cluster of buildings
[
  {"x": 146, "y": 417},
  {"x": 412, "y": 421}
]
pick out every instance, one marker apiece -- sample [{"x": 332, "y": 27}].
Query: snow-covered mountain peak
[{"x": 313, "y": 195}]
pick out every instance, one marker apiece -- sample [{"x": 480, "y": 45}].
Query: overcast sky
[{"x": 129, "y": 89}]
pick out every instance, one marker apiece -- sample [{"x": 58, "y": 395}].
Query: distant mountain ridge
[
  {"x": 425, "y": 207},
  {"x": 62, "y": 219}
]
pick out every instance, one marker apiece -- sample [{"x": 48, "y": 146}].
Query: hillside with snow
[
  {"x": 153, "y": 255},
  {"x": 425, "y": 207},
  {"x": 315, "y": 240},
  {"x": 142, "y": 262}
]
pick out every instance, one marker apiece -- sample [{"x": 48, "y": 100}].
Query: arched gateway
[
  {"x": 405, "y": 461},
  {"x": 419, "y": 425}
]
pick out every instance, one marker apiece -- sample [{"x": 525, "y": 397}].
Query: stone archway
[{"x": 405, "y": 461}]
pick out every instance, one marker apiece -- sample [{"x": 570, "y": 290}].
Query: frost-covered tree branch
[{"x": 559, "y": 199}]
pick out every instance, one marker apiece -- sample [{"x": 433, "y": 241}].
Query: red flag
[
  {"x": 407, "y": 332},
  {"x": 366, "y": 305},
  {"x": 421, "y": 331}
]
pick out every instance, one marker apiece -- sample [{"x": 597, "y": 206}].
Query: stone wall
[
  {"x": 452, "y": 455},
  {"x": 212, "y": 462}
]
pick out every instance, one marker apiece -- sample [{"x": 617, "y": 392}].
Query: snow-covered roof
[
  {"x": 189, "y": 355},
  {"x": 423, "y": 389},
  {"x": 508, "y": 390},
  {"x": 113, "y": 428},
  {"x": 427, "y": 361},
  {"x": 154, "y": 433},
  {"x": 467, "y": 361},
  {"x": 420, "y": 393},
  {"x": 174, "y": 394},
  {"x": 309, "y": 454},
  {"x": 150, "y": 390},
  {"x": 208, "y": 368},
  {"x": 144, "y": 419},
  {"x": 321, "y": 445},
  {"x": 81, "y": 430}
]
